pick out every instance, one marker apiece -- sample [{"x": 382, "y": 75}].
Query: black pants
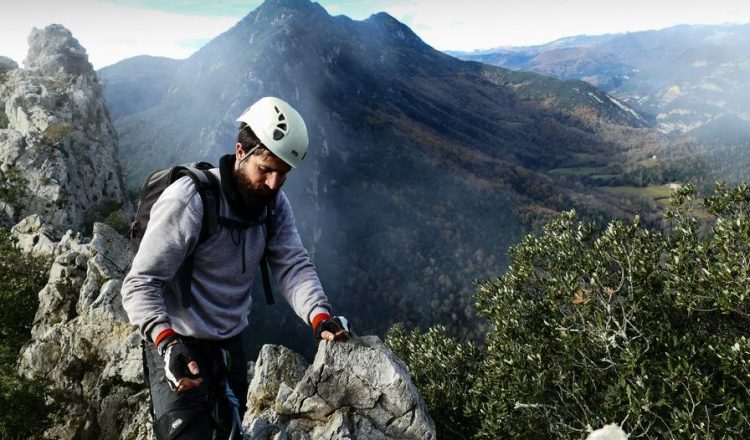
[{"x": 202, "y": 413}]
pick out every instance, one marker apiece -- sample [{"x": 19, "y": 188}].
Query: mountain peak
[
  {"x": 294, "y": 5},
  {"x": 53, "y": 50},
  {"x": 394, "y": 28}
]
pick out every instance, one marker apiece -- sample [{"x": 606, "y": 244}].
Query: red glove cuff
[
  {"x": 320, "y": 317},
  {"x": 164, "y": 333}
]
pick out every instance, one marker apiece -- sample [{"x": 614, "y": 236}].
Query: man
[{"x": 193, "y": 357}]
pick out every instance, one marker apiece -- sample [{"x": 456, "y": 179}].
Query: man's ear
[{"x": 239, "y": 151}]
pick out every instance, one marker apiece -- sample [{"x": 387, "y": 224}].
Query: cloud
[
  {"x": 109, "y": 32},
  {"x": 476, "y": 24},
  {"x": 112, "y": 30}
]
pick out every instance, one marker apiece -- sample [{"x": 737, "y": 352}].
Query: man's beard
[{"x": 255, "y": 200}]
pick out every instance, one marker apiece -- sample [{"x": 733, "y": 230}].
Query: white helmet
[{"x": 279, "y": 127}]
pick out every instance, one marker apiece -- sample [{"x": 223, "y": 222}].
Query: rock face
[
  {"x": 357, "y": 389},
  {"x": 81, "y": 341},
  {"x": 58, "y": 147}
]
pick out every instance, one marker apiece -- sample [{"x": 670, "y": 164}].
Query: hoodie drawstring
[
  {"x": 238, "y": 237},
  {"x": 243, "y": 252}
]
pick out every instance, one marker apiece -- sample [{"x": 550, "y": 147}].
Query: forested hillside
[
  {"x": 589, "y": 327},
  {"x": 423, "y": 169}
]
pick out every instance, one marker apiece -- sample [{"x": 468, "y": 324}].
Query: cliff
[{"x": 58, "y": 147}]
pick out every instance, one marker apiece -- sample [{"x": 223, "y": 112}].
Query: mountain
[
  {"x": 137, "y": 83},
  {"x": 58, "y": 147},
  {"x": 685, "y": 76},
  {"x": 423, "y": 168}
]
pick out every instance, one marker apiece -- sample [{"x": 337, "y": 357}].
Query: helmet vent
[{"x": 281, "y": 128}]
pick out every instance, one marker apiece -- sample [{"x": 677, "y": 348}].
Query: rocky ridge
[
  {"x": 58, "y": 147},
  {"x": 82, "y": 342}
]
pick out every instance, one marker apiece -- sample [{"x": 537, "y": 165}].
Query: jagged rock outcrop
[
  {"x": 356, "y": 389},
  {"x": 81, "y": 341},
  {"x": 58, "y": 147}
]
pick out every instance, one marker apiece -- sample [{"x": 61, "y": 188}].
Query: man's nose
[{"x": 274, "y": 181}]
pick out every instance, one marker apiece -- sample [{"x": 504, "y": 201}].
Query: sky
[{"x": 112, "y": 30}]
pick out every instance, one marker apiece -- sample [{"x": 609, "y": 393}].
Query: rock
[
  {"x": 276, "y": 366},
  {"x": 83, "y": 344},
  {"x": 58, "y": 147},
  {"x": 34, "y": 237},
  {"x": 81, "y": 341},
  {"x": 54, "y": 51},
  {"x": 357, "y": 389}
]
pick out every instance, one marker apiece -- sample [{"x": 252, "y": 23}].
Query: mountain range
[
  {"x": 685, "y": 77},
  {"x": 423, "y": 169}
]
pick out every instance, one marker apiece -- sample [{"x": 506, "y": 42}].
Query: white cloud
[
  {"x": 109, "y": 33},
  {"x": 476, "y": 24}
]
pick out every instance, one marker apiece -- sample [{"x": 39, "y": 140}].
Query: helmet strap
[{"x": 248, "y": 154}]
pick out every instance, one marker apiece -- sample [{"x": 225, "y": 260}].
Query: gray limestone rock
[
  {"x": 82, "y": 342},
  {"x": 34, "y": 237},
  {"x": 54, "y": 51},
  {"x": 357, "y": 389},
  {"x": 58, "y": 147}
]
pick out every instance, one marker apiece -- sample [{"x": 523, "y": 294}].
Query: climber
[{"x": 188, "y": 290}]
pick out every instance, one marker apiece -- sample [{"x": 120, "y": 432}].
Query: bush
[
  {"x": 626, "y": 325},
  {"x": 25, "y": 405},
  {"x": 444, "y": 370},
  {"x": 13, "y": 187}
]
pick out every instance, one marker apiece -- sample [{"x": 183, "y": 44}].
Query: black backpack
[{"x": 210, "y": 193}]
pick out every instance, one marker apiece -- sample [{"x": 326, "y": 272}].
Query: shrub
[
  {"x": 25, "y": 405},
  {"x": 56, "y": 133},
  {"x": 13, "y": 187},
  {"x": 626, "y": 325},
  {"x": 4, "y": 121},
  {"x": 444, "y": 370}
]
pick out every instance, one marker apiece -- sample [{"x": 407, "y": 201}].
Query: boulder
[{"x": 354, "y": 389}]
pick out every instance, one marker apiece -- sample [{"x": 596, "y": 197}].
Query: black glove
[
  {"x": 177, "y": 364},
  {"x": 335, "y": 325}
]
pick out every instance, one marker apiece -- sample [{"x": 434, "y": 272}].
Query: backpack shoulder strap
[{"x": 208, "y": 189}]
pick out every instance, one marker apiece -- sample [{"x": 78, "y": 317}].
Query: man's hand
[
  {"x": 180, "y": 367},
  {"x": 333, "y": 329}
]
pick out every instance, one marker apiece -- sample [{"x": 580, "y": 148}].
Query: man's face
[{"x": 259, "y": 177}]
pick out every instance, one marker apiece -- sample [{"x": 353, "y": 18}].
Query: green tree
[
  {"x": 13, "y": 187},
  {"x": 25, "y": 405},
  {"x": 626, "y": 325}
]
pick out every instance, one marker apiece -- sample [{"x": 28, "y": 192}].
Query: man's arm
[
  {"x": 172, "y": 233},
  {"x": 293, "y": 269}
]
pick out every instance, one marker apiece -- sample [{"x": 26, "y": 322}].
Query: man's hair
[{"x": 249, "y": 140}]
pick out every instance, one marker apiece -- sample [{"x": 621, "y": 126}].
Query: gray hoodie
[{"x": 222, "y": 278}]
